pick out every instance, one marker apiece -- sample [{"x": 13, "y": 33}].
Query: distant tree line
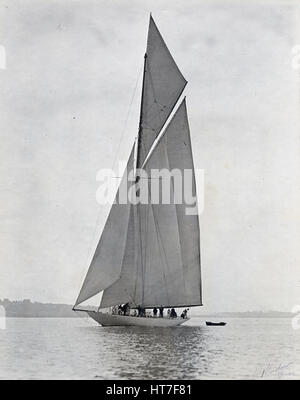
[{"x": 28, "y": 309}]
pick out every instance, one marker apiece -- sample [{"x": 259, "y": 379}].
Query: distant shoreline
[{"x": 28, "y": 309}]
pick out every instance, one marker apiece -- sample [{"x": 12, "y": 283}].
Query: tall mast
[
  {"x": 137, "y": 212},
  {"x": 139, "y": 140}
]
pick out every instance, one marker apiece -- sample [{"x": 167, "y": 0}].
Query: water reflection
[
  {"x": 156, "y": 353},
  {"x": 79, "y": 349}
]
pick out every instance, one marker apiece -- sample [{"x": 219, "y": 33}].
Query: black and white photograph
[{"x": 150, "y": 192}]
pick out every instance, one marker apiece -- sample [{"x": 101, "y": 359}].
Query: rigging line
[
  {"x": 116, "y": 154},
  {"x": 127, "y": 116}
]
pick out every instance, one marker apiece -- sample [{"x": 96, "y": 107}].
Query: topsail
[
  {"x": 163, "y": 85},
  {"x": 149, "y": 254}
]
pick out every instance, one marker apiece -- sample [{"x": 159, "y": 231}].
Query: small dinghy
[{"x": 208, "y": 323}]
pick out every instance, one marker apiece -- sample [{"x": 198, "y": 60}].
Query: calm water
[{"x": 79, "y": 349}]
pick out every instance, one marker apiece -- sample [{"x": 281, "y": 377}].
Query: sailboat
[{"x": 148, "y": 255}]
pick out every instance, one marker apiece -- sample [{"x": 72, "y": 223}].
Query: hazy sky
[{"x": 71, "y": 71}]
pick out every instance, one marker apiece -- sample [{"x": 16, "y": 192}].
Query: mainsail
[
  {"x": 149, "y": 254},
  {"x": 168, "y": 272}
]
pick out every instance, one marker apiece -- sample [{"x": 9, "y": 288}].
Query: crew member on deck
[
  {"x": 161, "y": 312},
  {"x": 125, "y": 308},
  {"x": 139, "y": 311},
  {"x": 184, "y": 314},
  {"x": 154, "y": 312}
]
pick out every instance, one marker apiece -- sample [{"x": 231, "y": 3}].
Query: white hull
[{"x": 123, "y": 320}]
